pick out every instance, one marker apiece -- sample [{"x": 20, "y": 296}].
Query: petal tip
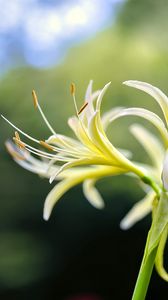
[
  {"x": 46, "y": 214},
  {"x": 51, "y": 179},
  {"x": 99, "y": 205},
  {"x": 108, "y": 83},
  {"x": 129, "y": 82},
  {"x": 124, "y": 225}
]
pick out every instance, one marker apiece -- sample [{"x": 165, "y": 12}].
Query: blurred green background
[{"x": 80, "y": 250}]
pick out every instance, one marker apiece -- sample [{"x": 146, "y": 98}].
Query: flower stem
[
  {"x": 144, "y": 276},
  {"x": 153, "y": 184}
]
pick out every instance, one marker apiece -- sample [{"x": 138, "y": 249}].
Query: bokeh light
[{"x": 39, "y": 32}]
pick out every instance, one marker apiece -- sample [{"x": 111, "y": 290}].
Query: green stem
[
  {"x": 153, "y": 185},
  {"x": 144, "y": 276}
]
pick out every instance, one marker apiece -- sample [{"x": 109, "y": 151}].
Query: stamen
[
  {"x": 39, "y": 154},
  {"x": 26, "y": 146},
  {"x": 13, "y": 153},
  {"x": 72, "y": 89},
  {"x": 48, "y": 156},
  {"x": 44, "y": 154},
  {"x": 17, "y": 135},
  {"x": 35, "y": 98},
  {"x": 37, "y": 105},
  {"x": 82, "y": 108},
  {"x": 47, "y": 146},
  {"x": 18, "y": 142},
  {"x": 22, "y": 132}
]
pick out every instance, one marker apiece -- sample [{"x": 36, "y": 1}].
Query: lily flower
[
  {"x": 86, "y": 158},
  {"x": 155, "y": 147},
  {"x": 157, "y": 150},
  {"x": 91, "y": 155}
]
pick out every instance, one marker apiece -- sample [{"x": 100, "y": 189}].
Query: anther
[
  {"x": 46, "y": 145},
  {"x": 13, "y": 153},
  {"x": 82, "y": 108},
  {"x": 18, "y": 142},
  {"x": 72, "y": 89},
  {"x": 17, "y": 136},
  {"x": 35, "y": 101}
]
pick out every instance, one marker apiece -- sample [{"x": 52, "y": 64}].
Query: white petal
[
  {"x": 98, "y": 138},
  {"x": 74, "y": 178},
  {"x": 156, "y": 93},
  {"x": 126, "y": 153},
  {"x": 146, "y": 114},
  {"x": 139, "y": 211},
  {"x": 71, "y": 164},
  {"x": 92, "y": 194},
  {"x": 62, "y": 140},
  {"x": 151, "y": 144},
  {"x": 82, "y": 134},
  {"x": 100, "y": 97},
  {"x": 109, "y": 115},
  {"x": 110, "y": 153},
  {"x": 56, "y": 193},
  {"x": 32, "y": 168},
  {"x": 165, "y": 172}
]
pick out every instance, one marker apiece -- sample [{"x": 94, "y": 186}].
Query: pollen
[
  {"x": 17, "y": 136},
  {"x": 18, "y": 142},
  {"x": 82, "y": 108},
  {"x": 72, "y": 89},
  {"x": 35, "y": 101},
  {"x": 46, "y": 145}
]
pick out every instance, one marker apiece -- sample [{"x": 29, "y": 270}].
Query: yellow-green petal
[
  {"x": 153, "y": 91},
  {"x": 138, "y": 211},
  {"x": 91, "y": 193},
  {"x": 150, "y": 143},
  {"x": 146, "y": 114},
  {"x": 75, "y": 177},
  {"x": 160, "y": 253}
]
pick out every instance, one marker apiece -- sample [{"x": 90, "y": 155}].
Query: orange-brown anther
[
  {"x": 13, "y": 153},
  {"x": 35, "y": 101},
  {"x": 47, "y": 146},
  {"x": 72, "y": 89},
  {"x": 17, "y": 136},
  {"x": 18, "y": 142},
  {"x": 82, "y": 108}
]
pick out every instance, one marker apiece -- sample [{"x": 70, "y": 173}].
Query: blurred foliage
[{"x": 30, "y": 249}]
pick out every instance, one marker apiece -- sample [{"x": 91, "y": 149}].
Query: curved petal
[
  {"x": 146, "y": 114},
  {"x": 139, "y": 211},
  {"x": 165, "y": 172},
  {"x": 126, "y": 153},
  {"x": 73, "y": 179},
  {"x": 150, "y": 143},
  {"x": 100, "y": 97},
  {"x": 108, "y": 115},
  {"x": 81, "y": 134},
  {"x": 56, "y": 193},
  {"x": 88, "y": 98},
  {"x": 110, "y": 152},
  {"x": 160, "y": 253},
  {"x": 98, "y": 138},
  {"x": 72, "y": 164},
  {"x": 62, "y": 140},
  {"x": 92, "y": 194},
  {"x": 153, "y": 91}
]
